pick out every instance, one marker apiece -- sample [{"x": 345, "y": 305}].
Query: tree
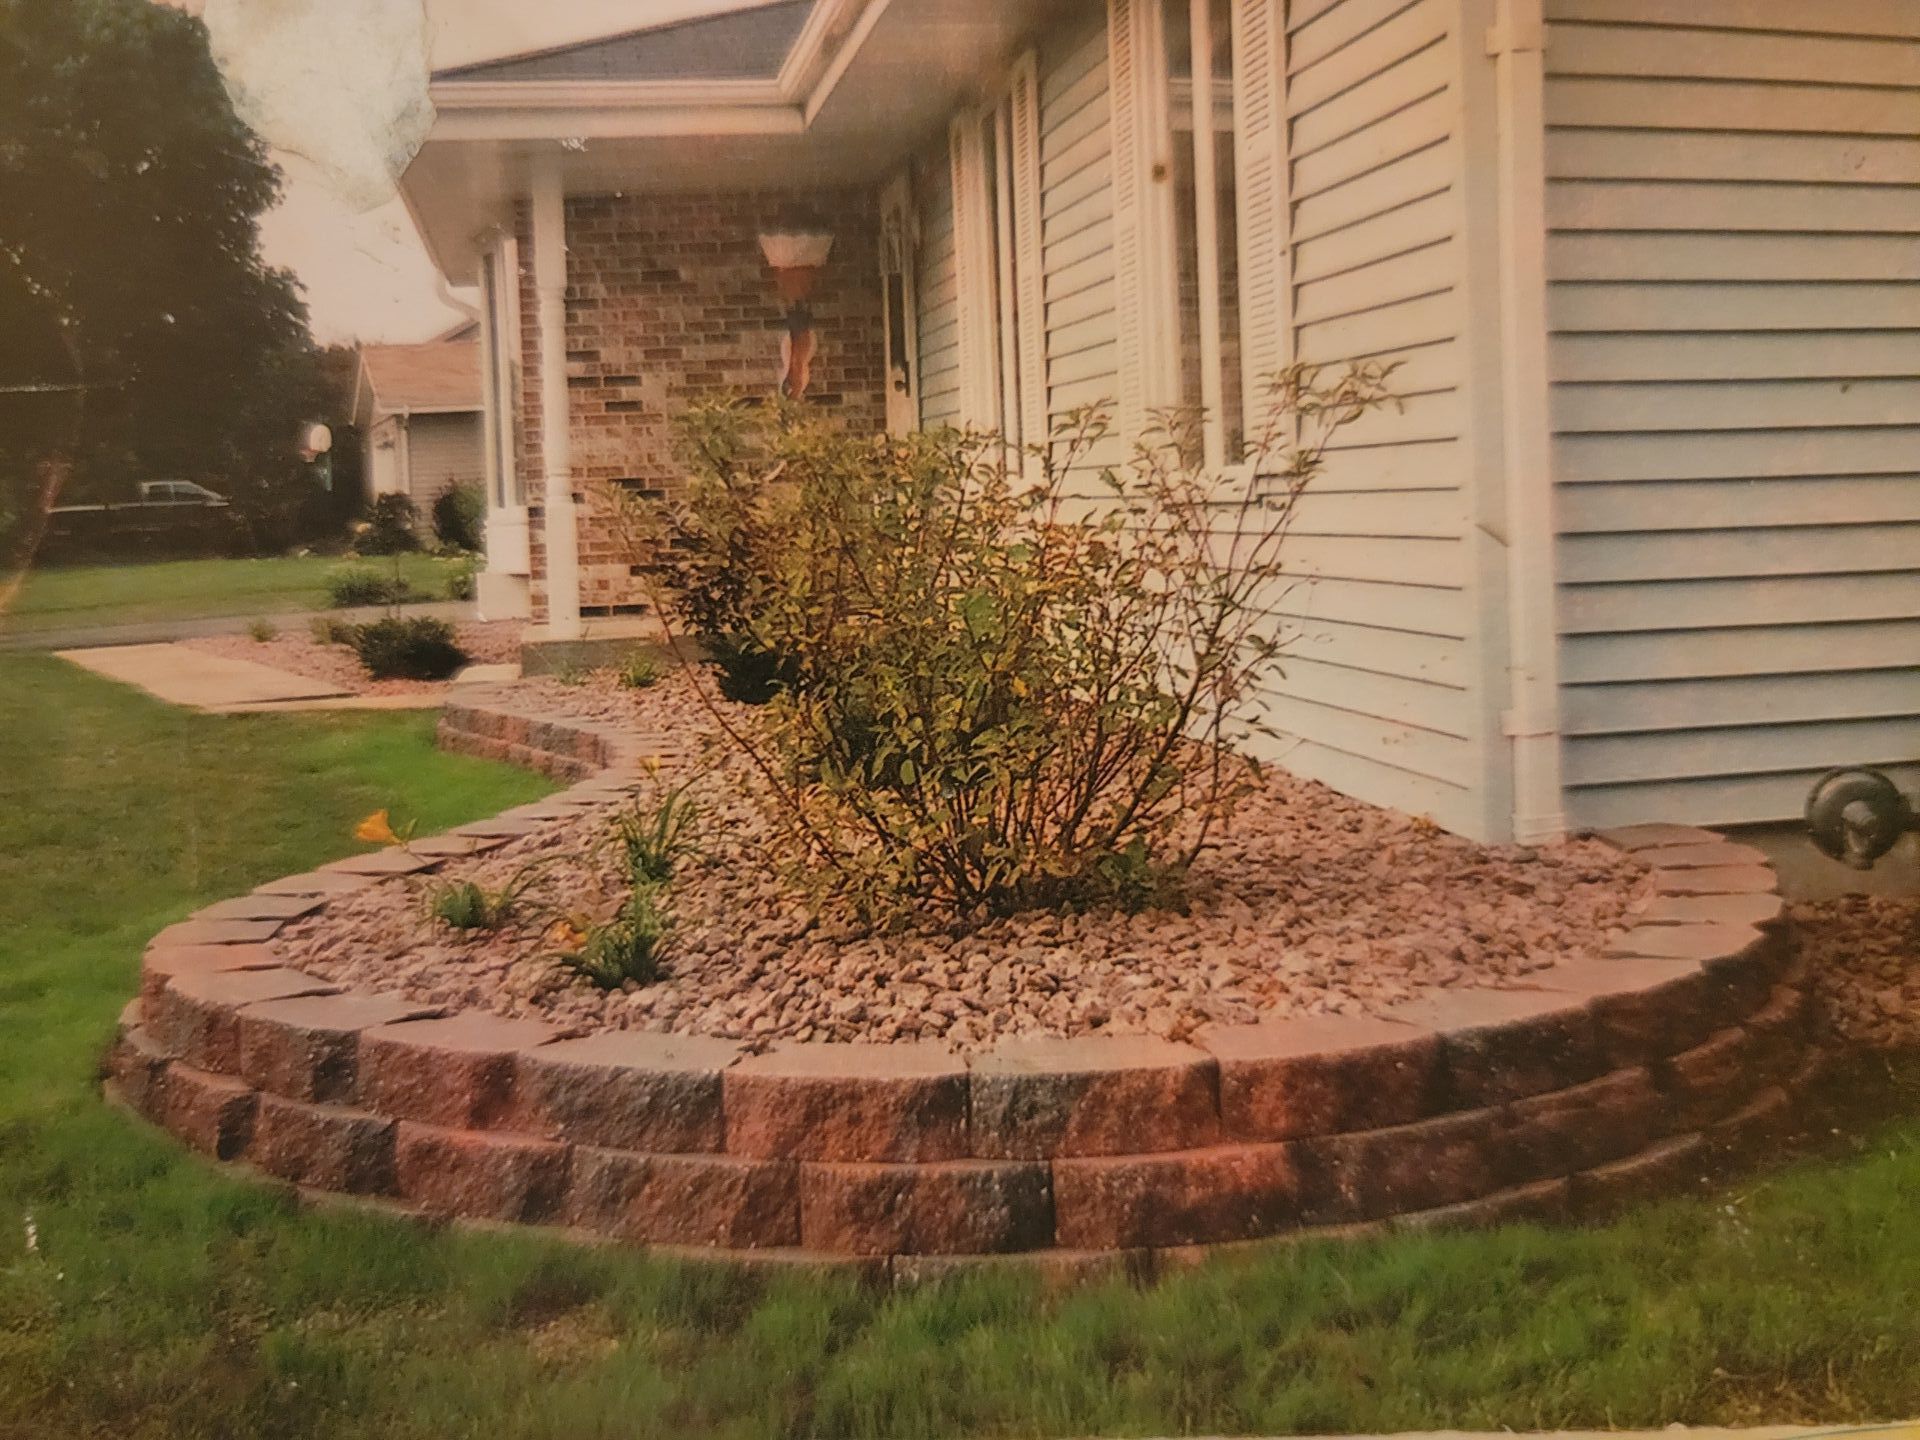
[{"x": 129, "y": 202}]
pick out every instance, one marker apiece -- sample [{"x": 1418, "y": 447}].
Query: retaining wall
[{"x": 1606, "y": 1079}]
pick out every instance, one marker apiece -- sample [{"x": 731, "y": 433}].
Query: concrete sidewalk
[
  {"x": 157, "y": 632},
  {"x": 184, "y": 676}
]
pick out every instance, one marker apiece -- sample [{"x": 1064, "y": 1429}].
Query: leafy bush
[
  {"x": 414, "y": 647},
  {"x": 262, "y": 631},
  {"x": 357, "y": 585},
  {"x": 392, "y": 527},
  {"x": 628, "y": 947},
  {"x": 459, "y": 512},
  {"x": 654, "y": 838},
  {"x": 326, "y": 630},
  {"x": 714, "y": 552},
  {"x": 638, "y": 671},
  {"x": 460, "y": 581},
  {"x": 1005, "y": 692}
]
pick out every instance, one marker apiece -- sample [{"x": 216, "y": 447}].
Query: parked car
[{"x": 174, "y": 515}]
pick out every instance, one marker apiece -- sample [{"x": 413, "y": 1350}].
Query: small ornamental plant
[
  {"x": 629, "y": 948},
  {"x": 469, "y": 905},
  {"x": 998, "y": 679},
  {"x": 655, "y": 838}
]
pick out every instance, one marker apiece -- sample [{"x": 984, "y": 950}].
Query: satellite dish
[{"x": 315, "y": 439}]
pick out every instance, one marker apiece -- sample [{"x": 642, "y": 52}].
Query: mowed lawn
[
  {"x": 143, "y": 1292},
  {"x": 74, "y": 596}
]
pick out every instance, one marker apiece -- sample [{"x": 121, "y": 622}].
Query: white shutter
[
  {"x": 1146, "y": 290},
  {"x": 973, "y": 273},
  {"x": 1261, "y": 160},
  {"x": 1030, "y": 322}
]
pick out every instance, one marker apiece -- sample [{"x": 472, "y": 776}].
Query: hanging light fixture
[{"x": 796, "y": 257}]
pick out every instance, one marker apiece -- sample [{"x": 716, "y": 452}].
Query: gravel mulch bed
[
  {"x": 1314, "y": 903},
  {"x": 1864, "y": 954},
  {"x": 294, "y": 649}
]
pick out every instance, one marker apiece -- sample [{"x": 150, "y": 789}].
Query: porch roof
[{"x": 861, "y": 85}]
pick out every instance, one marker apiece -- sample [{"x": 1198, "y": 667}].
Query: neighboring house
[
  {"x": 419, "y": 411},
  {"x": 1643, "y": 540}
]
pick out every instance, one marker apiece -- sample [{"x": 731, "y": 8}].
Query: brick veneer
[
  {"x": 668, "y": 301},
  {"x": 1607, "y": 1078}
]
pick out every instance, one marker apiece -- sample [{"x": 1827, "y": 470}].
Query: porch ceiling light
[{"x": 796, "y": 258}]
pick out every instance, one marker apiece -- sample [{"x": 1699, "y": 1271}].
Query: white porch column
[{"x": 561, "y": 525}]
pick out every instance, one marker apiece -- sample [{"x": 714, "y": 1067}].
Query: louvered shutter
[
  {"x": 1263, "y": 222},
  {"x": 973, "y": 273},
  {"x": 1146, "y": 288},
  {"x": 1029, "y": 278}
]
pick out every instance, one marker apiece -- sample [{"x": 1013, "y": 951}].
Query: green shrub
[
  {"x": 460, "y": 581},
  {"x": 709, "y": 556},
  {"x": 638, "y": 671},
  {"x": 459, "y": 512},
  {"x": 628, "y": 947},
  {"x": 414, "y": 647},
  {"x": 262, "y": 630},
  {"x": 1003, "y": 695},
  {"x": 654, "y": 838},
  {"x": 392, "y": 527},
  {"x": 352, "y": 586},
  {"x": 326, "y": 630}
]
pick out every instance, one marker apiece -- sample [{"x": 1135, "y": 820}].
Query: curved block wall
[{"x": 1608, "y": 1078}]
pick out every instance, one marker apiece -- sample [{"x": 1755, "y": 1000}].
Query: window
[
  {"x": 1199, "y": 53},
  {"x": 500, "y": 355},
  {"x": 996, "y": 191},
  {"x": 897, "y": 247},
  {"x": 1200, "y": 215}
]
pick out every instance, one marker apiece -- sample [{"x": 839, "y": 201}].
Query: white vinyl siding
[
  {"x": 1734, "y": 246},
  {"x": 1076, "y": 245},
  {"x": 937, "y": 292},
  {"x": 1379, "y": 692}
]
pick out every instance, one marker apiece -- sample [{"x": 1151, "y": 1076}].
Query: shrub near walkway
[{"x": 144, "y": 1293}]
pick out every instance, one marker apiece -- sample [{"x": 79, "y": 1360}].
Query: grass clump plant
[
  {"x": 354, "y": 586},
  {"x": 629, "y": 948},
  {"x": 470, "y": 905},
  {"x": 638, "y": 671},
  {"x": 655, "y": 838},
  {"x": 261, "y": 631}
]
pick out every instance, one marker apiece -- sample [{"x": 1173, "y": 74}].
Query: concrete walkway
[
  {"x": 155, "y": 632},
  {"x": 184, "y": 676}
]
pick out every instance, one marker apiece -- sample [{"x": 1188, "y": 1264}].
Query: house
[
  {"x": 1642, "y": 541},
  {"x": 418, "y": 409}
]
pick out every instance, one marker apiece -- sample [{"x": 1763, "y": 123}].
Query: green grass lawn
[
  {"x": 162, "y": 1297},
  {"x": 64, "y": 597}
]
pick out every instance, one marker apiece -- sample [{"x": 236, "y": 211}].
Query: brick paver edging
[{"x": 1607, "y": 1078}]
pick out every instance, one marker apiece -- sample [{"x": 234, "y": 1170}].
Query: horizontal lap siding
[
  {"x": 1077, "y": 259},
  {"x": 1377, "y": 695},
  {"x": 936, "y": 292},
  {"x": 1734, "y": 212}
]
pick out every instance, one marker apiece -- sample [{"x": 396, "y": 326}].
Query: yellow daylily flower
[{"x": 376, "y": 829}]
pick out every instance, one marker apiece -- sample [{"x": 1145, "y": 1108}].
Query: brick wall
[{"x": 669, "y": 300}]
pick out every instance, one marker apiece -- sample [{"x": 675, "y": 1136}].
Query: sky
[{"x": 365, "y": 273}]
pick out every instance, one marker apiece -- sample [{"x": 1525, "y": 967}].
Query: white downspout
[
  {"x": 560, "y": 523},
  {"x": 1517, "y": 44}
]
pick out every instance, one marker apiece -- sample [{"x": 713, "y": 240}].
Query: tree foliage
[{"x": 129, "y": 203}]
